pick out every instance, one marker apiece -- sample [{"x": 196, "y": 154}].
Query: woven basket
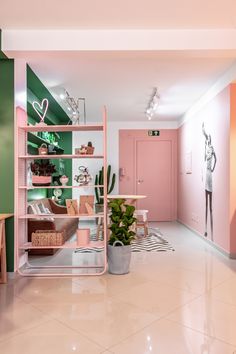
[
  {"x": 47, "y": 238},
  {"x": 43, "y": 149}
]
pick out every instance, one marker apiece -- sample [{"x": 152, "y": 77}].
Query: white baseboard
[{"x": 221, "y": 250}]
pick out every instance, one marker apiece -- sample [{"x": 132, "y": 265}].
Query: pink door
[{"x": 154, "y": 178}]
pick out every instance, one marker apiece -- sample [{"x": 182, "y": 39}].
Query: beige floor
[{"x": 181, "y": 302}]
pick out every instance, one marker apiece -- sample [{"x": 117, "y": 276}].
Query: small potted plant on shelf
[
  {"x": 99, "y": 190},
  {"x": 42, "y": 172},
  {"x": 119, "y": 245}
]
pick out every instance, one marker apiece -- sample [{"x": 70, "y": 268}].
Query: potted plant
[
  {"x": 99, "y": 191},
  {"x": 119, "y": 245},
  {"x": 42, "y": 172}
]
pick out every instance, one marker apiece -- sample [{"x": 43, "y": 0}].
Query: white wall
[{"x": 112, "y": 148}]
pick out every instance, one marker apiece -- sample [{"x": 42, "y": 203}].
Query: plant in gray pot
[{"x": 119, "y": 245}]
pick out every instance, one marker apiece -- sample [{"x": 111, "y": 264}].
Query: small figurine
[
  {"x": 84, "y": 177},
  {"x": 85, "y": 149}
]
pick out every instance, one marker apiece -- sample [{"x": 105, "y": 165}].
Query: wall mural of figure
[{"x": 210, "y": 162}]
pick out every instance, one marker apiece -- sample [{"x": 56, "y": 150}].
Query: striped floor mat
[{"x": 154, "y": 242}]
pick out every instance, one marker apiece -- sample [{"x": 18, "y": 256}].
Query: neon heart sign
[{"x": 43, "y": 107}]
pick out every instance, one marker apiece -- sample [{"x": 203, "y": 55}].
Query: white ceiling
[
  {"x": 31, "y": 14},
  {"x": 124, "y": 81}
]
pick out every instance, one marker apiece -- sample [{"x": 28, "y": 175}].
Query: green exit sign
[{"x": 154, "y": 133}]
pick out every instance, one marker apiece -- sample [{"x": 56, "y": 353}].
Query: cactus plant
[{"x": 99, "y": 181}]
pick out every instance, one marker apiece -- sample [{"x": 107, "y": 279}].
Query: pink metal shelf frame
[
  {"x": 73, "y": 245},
  {"x": 21, "y": 157}
]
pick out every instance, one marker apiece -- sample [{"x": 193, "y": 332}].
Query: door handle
[{"x": 140, "y": 181}]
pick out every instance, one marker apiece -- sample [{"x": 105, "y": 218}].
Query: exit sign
[{"x": 154, "y": 133}]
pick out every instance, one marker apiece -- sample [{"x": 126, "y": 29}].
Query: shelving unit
[{"x": 22, "y": 246}]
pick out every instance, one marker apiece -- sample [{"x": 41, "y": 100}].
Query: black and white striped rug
[{"x": 154, "y": 242}]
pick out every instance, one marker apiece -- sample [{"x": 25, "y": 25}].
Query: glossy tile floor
[{"x": 181, "y": 302}]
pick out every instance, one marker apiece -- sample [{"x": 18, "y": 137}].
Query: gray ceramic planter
[{"x": 119, "y": 258}]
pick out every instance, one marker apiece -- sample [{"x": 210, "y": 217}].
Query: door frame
[{"x": 136, "y": 135}]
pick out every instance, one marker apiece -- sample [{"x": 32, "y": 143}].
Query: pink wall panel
[
  {"x": 191, "y": 187},
  {"x": 233, "y": 169}
]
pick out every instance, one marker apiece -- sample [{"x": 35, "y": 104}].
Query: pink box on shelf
[{"x": 83, "y": 237}]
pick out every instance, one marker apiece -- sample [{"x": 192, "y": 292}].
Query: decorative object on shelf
[
  {"x": 47, "y": 238},
  {"x": 81, "y": 151},
  {"x": 43, "y": 107},
  {"x": 84, "y": 178},
  {"x": 42, "y": 172},
  {"x": 83, "y": 237},
  {"x": 153, "y": 104},
  {"x": 85, "y": 149},
  {"x": 86, "y": 204},
  {"x": 51, "y": 150},
  {"x": 99, "y": 191},
  {"x": 90, "y": 148},
  {"x": 72, "y": 206},
  {"x": 29, "y": 174},
  {"x": 61, "y": 168},
  {"x": 72, "y": 107},
  {"x": 64, "y": 180},
  {"x": 43, "y": 149},
  {"x": 119, "y": 245},
  {"x": 57, "y": 193}
]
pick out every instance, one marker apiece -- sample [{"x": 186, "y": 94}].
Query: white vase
[{"x": 64, "y": 180}]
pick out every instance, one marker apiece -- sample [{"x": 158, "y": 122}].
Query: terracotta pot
[{"x": 41, "y": 180}]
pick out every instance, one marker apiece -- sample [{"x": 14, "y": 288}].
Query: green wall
[
  {"x": 7, "y": 151},
  {"x": 36, "y": 91}
]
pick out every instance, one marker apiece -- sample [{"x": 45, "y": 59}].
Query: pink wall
[
  {"x": 191, "y": 187},
  {"x": 233, "y": 170},
  {"x": 127, "y": 144}
]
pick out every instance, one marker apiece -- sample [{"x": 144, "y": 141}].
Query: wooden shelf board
[
  {"x": 52, "y": 157},
  {"x": 72, "y": 245},
  {"x": 62, "y": 128},
  {"x": 60, "y": 187},
  {"x": 61, "y": 216}
]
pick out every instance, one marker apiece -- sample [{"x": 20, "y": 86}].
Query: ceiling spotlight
[
  {"x": 153, "y": 104},
  {"x": 62, "y": 96}
]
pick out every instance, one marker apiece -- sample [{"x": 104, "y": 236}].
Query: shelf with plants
[{"x": 23, "y": 164}]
